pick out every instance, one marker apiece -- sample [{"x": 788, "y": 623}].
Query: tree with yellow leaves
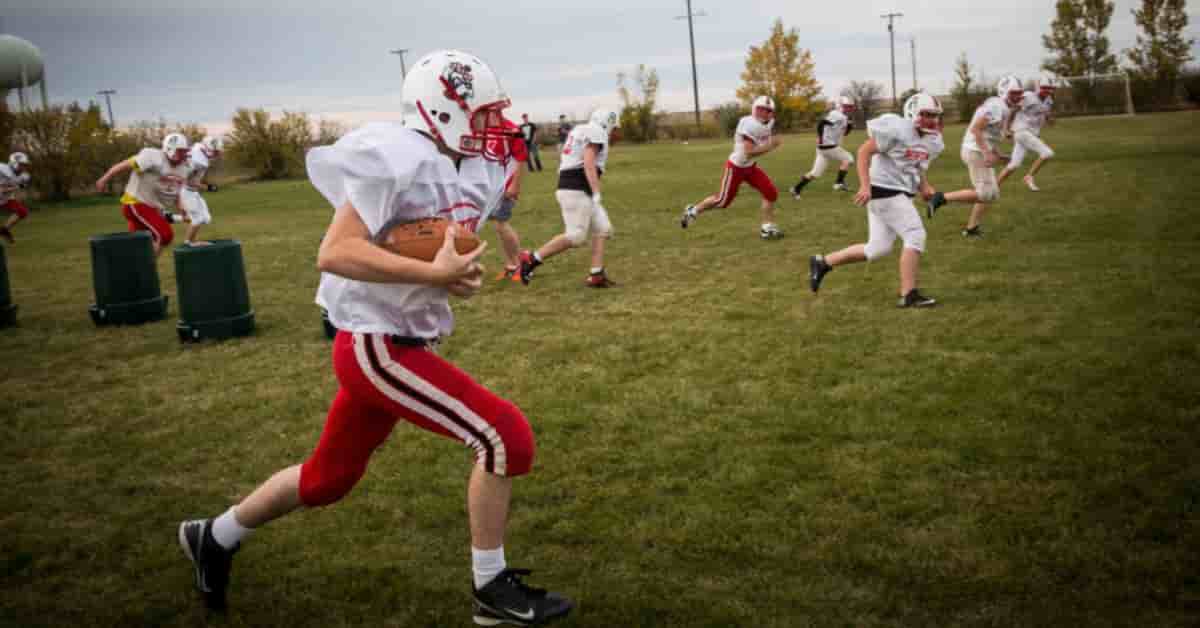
[{"x": 782, "y": 70}]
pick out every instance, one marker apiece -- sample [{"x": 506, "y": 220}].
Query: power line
[
  {"x": 692, "y": 41},
  {"x": 891, "y": 17}
]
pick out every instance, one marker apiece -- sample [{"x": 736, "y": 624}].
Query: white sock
[
  {"x": 596, "y": 270},
  {"x": 486, "y": 565},
  {"x": 767, "y": 225},
  {"x": 227, "y": 531},
  {"x": 537, "y": 257}
]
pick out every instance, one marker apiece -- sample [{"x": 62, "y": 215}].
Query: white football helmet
[
  {"x": 212, "y": 145},
  {"x": 922, "y": 103},
  {"x": 606, "y": 119},
  {"x": 765, "y": 103},
  {"x": 18, "y": 161},
  {"x": 175, "y": 146},
  {"x": 1009, "y": 88},
  {"x": 847, "y": 105},
  {"x": 1046, "y": 85},
  {"x": 456, "y": 98}
]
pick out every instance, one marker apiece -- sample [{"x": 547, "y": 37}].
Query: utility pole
[
  {"x": 403, "y": 70},
  {"x": 913, "y": 43},
  {"x": 892, "y": 36},
  {"x": 692, "y": 41},
  {"x": 106, "y": 93}
]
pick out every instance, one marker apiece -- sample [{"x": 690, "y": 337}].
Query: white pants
[
  {"x": 1025, "y": 142},
  {"x": 826, "y": 155},
  {"x": 195, "y": 206},
  {"x": 983, "y": 176},
  {"x": 891, "y": 217},
  {"x": 582, "y": 217}
]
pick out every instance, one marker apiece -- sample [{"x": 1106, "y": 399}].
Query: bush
[
  {"x": 728, "y": 116},
  {"x": 62, "y": 142},
  {"x": 1191, "y": 84},
  {"x": 273, "y": 149}
]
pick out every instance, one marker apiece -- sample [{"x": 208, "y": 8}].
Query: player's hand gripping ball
[{"x": 421, "y": 239}]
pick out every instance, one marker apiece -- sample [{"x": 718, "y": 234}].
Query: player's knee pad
[
  {"x": 914, "y": 238},
  {"x": 877, "y": 248},
  {"x": 989, "y": 192},
  {"x": 514, "y": 453},
  {"x": 323, "y": 482},
  {"x": 577, "y": 236}
]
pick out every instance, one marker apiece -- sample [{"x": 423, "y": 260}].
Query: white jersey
[
  {"x": 200, "y": 164},
  {"x": 10, "y": 182},
  {"x": 904, "y": 153},
  {"x": 1032, "y": 113},
  {"x": 995, "y": 111},
  {"x": 577, "y": 141},
  {"x": 393, "y": 174},
  {"x": 155, "y": 181},
  {"x": 758, "y": 133},
  {"x": 832, "y": 129}
]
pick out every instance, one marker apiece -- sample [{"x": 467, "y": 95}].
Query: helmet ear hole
[{"x": 443, "y": 117}]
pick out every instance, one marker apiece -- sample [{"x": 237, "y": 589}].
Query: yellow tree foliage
[{"x": 779, "y": 68}]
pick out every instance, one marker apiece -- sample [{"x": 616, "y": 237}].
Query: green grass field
[{"x": 717, "y": 445}]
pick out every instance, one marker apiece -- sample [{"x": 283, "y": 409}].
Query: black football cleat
[
  {"x": 973, "y": 233},
  {"x": 937, "y": 200},
  {"x": 507, "y": 600},
  {"x": 528, "y": 263},
  {"x": 689, "y": 216},
  {"x": 916, "y": 299},
  {"x": 817, "y": 269},
  {"x": 6, "y": 233},
  {"x": 212, "y": 562},
  {"x": 599, "y": 280}
]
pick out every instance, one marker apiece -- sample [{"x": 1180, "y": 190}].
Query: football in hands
[{"x": 421, "y": 239}]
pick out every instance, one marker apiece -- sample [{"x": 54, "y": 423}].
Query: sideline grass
[{"x": 717, "y": 446}]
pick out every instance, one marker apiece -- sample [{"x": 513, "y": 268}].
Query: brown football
[{"x": 422, "y": 238}]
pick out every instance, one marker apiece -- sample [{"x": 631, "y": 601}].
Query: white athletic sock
[
  {"x": 227, "y": 531},
  {"x": 596, "y": 270},
  {"x": 486, "y": 565},
  {"x": 537, "y": 258}
]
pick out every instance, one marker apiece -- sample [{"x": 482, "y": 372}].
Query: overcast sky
[{"x": 199, "y": 61}]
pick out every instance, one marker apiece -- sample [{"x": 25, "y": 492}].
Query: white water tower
[{"x": 21, "y": 67}]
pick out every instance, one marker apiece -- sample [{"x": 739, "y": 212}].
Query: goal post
[{"x": 1094, "y": 94}]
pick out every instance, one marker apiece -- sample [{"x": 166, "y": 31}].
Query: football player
[
  {"x": 154, "y": 187},
  {"x": 1032, "y": 114},
  {"x": 752, "y": 139},
  {"x": 584, "y": 155},
  {"x": 830, "y": 130},
  {"x": 515, "y": 165},
  {"x": 14, "y": 176},
  {"x": 893, "y": 166},
  {"x": 980, "y": 153},
  {"x": 390, "y": 311},
  {"x": 203, "y": 154}
]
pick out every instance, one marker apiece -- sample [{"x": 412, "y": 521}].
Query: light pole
[
  {"x": 403, "y": 70},
  {"x": 692, "y": 41},
  {"x": 106, "y": 93},
  {"x": 913, "y": 45},
  {"x": 892, "y": 36}
]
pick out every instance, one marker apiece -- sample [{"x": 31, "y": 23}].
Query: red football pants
[
  {"x": 735, "y": 176},
  {"x": 142, "y": 217}
]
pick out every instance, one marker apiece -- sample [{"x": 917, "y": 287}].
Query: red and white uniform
[
  {"x": 501, "y": 207},
  {"x": 153, "y": 186},
  {"x": 10, "y": 182},
  {"x": 391, "y": 174},
  {"x": 995, "y": 110},
  {"x": 741, "y": 169},
  {"x": 1031, "y": 115}
]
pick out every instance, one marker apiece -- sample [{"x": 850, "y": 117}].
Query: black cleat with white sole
[
  {"x": 212, "y": 562},
  {"x": 916, "y": 299},
  {"x": 507, "y": 600},
  {"x": 817, "y": 269}
]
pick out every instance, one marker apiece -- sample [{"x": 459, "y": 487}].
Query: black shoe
[
  {"x": 817, "y": 269},
  {"x": 934, "y": 203},
  {"x": 507, "y": 600},
  {"x": 916, "y": 299},
  {"x": 528, "y": 263},
  {"x": 212, "y": 561},
  {"x": 6, "y": 233},
  {"x": 974, "y": 233},
  {"x": 689, "y": 216}
]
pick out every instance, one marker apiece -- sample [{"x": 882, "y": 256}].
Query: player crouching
[
  {"x": 14, "y": 176},
  {"x": 892, "y": 166},
  {"x": 583, "y": 157},
  {"x": 753, "y": 138},
  {"x": 202, "y": 155}
]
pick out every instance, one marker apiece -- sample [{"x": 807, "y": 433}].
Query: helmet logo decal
[{"x": 459, "y": 81}]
